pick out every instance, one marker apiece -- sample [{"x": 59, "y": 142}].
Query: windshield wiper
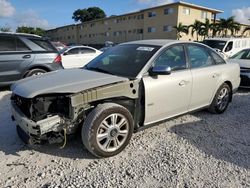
[{"x": 98, "y": 70}]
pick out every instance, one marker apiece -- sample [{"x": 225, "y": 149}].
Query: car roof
[
  {"x": 81, "y": 46},
  {"x": 20, "y": 34},
  {"x": 156, "y": 42}
]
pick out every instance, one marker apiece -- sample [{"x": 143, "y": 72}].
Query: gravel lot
[{"x": 197, "y": 150}]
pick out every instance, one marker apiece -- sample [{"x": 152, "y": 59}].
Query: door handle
[
  {"x": 26, "y": 56},
  {"x": 183, "y": 83},
  {"x": 215, "y": 75}
]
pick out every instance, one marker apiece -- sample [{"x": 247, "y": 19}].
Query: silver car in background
[
  {"x": 25, "y": 55},
  {"x": 125, "y": 89},
  {"x": 243, "y": 59}
]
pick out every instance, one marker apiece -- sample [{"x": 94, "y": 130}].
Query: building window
[
  {"x": 151, "y": 29},
  {"x": 80, "y": 36},
  {"x": 168, "y": 11},
  {"x": 139, "y": 31},
  {"x": 186, "y": 11},
  {"x": 167, "y": 28},
  {"x": 107, "y": 34},
  {"x": 140, "y": 16},
  {"x": 203, "y": 14},
  {"x": 151, "y": 14}
]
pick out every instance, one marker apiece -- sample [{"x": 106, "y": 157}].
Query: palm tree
[
  {"x": 195, "y": 27},
  {"x": 181, "y": 29},
  {"x": 229, "y": 24},
  {"x": 204, "y": 28},
  {"x": 215, "y": 28},
  {"x": 245, "y": 30}
]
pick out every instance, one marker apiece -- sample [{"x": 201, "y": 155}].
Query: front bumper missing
[{"x": 33, "y": 132}]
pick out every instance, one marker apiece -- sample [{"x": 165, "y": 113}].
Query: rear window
[
  {"x": 12, "y": 44},
  {"x": 46, "y": 45},
  {"x": 7, "y": 44}
]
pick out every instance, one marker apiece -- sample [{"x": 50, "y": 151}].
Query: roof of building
[
  {"x": 189, "y": 5},
  {"x": 140, "y": 11}
]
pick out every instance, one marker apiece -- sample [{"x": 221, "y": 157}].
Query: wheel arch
[
  {"x": 231, "y": 87},
  {"x": 35, "y": 67}
]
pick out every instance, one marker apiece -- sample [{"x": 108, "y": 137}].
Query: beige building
[{"x": 152, "y": 23}]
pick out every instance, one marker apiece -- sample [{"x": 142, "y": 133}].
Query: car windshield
[
  {"x": 216, "y": 44},
  {"x": 123, "y": 60},
  {"x": 244, "y": 54}
]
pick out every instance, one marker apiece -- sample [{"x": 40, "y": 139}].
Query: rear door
[
  {"x": 71, "y": 58},
  {"x": 13, "y": 54},
  {"x": 205, "y": 74}
]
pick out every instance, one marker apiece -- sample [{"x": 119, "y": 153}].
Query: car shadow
[{"x": 224, "y": 137}]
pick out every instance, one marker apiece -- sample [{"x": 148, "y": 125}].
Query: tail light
[{"x": 58, "y": 59}]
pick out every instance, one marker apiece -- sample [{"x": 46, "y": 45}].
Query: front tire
[
  {"x": 221, "y": 100},
  {"x": 107, "y": 130}
]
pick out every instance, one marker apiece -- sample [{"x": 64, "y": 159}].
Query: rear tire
[
  {"x": 35, "y": 72},
  {"x": 221, "y": 100},
  {"x": 107, "y": 130}
]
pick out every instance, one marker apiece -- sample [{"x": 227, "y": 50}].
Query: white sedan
[{"x": 78, "y": 56}]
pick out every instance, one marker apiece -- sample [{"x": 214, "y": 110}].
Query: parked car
[
  {"x": 24, "y": 55},
  {"x": 125, "y": 89},
  {"x": 59, "y": 45},
  {"x": 78, "y": 56},
  {"x": 227, "y": 47},
  {"x": 243, "y": 59}
]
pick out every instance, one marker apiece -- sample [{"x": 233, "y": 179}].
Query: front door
[{"x": 168, "y": 95}]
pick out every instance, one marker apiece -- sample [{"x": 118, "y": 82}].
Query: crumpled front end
[
  {"x": 50, "y": 117},
  {"x": 39, "y": 120}
]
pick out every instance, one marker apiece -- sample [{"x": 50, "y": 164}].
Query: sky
[{"x": 49, "y": 14}]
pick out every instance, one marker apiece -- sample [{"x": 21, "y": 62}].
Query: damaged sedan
[{"x": 125, "y": 89}]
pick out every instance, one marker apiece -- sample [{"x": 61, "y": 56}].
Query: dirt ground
[{"x": 196, "y": 150}]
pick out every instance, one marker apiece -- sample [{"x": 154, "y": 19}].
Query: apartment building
[{"x": 152, "y": 23}]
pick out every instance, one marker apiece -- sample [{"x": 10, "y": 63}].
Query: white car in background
[
  {"x": 78, "y": 56},
  {"x": 227, "y": 47}
]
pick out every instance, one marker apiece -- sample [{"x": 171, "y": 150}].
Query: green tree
[
  {"x": 229, "y": 24},
  {"x": 245, "y": 30},
  {"x": 84, "y": 15},
  {"x": 5, "y": 29},
  {"x": 195, "y": 28},
  {"x": 205, "y": 28},
  {"x": 181, "y": 29},
  {"x": 31, "y": 30}
]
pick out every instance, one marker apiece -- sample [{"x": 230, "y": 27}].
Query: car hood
[
  {"x": 242, "y": 63},
  {"x": 63, "y": 81}
]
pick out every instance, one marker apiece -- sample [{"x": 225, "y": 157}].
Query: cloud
[
  {"x": 31, "y": 19},
  {"x": 6, "y": 9},
  {"x": 242, "y": 15},
  {"x": 154, "y": 2}
]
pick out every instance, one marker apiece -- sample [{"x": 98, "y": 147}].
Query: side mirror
[
  {"x": 160, "y": 70},
  {"x": 217, "y": 50}
]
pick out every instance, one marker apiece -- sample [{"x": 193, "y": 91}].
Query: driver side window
[
  {"x": 173, "y": 57},
  {"x": 73, "y": 51}
]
